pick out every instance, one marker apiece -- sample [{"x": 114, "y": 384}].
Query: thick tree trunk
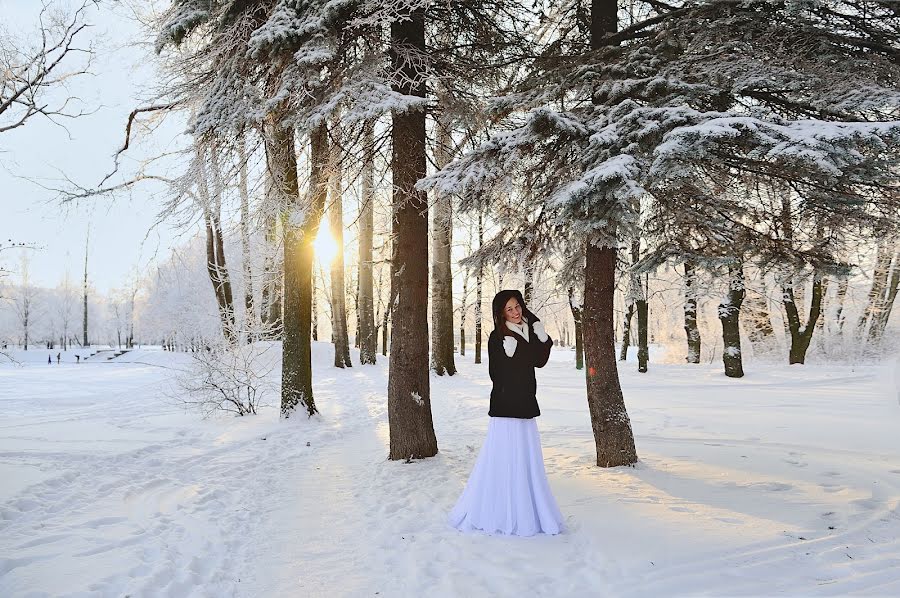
[
  {"x": 367, "y": 332},
  {"x": 579, "y": 328},
  {"x": 479, "y": 276},
  {"x": 613, "y": 437},
  {"x": 729, "y": 315},
  {"x": 301, "y": 224},
  {"x": 691, "y": 329},
  {"x": 409, "y": 395},
  {"x": 801, "y": 334},
  {"x": 612, "y": 427},
  {"x": 336, "y": 221},
  {"x": 441, "y": 275}
]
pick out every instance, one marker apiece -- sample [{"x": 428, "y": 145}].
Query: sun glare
[{"x": 325, "y": 245}]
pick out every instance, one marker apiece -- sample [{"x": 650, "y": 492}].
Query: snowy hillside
[{"x": 785, "y": 482}]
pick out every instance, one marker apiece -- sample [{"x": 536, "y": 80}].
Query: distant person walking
[{"x": 57, "y": 358}]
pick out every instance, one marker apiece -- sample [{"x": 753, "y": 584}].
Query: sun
[{"x": 325, "y": 246}]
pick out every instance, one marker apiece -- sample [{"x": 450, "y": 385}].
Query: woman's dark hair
[{"x": 499, "y": 304}]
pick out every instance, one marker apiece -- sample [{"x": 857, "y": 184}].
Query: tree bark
[
  {"x": 479, "y": 277},
  {"x": 729, "y": 315},
  {"x": 270, "y": 301},
  {"x": 626, "y": 332},
  {"x": 217, "y": 270},
  {"x": 802, "y": 334},
  {"x": 641, "y": 307},
  {"x": 643, "y": 346},
  {"x": 409, "y": 398},
  {"x": 839, "y": 315},
  {"x": 756, "y": 314},
  {"x": 441, "y": 275},
  {"x": 336, "y": 221},
  {"x": 885, "y": 304},
  {"x": 84, "y": 341},
  {"x": 367, "y": 339},
  {"x": 579, "y": 330},
  {"x": 692, "y": 331},
  {"x": 613, "y": 437},
  {"x": 462, "y": 315},
  {"x": 301, "y": 224},
  {"x": 250, "y": 319}
]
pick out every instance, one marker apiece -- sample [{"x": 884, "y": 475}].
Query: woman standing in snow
[{"x": 507, "y": 491}]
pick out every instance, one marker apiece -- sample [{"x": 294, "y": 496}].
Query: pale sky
[{"x": 44, "y": 151}]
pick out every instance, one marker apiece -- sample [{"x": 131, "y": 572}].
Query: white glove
[
  {"x": 540, "y": 332},
  {"x": 509, "y": 345}
]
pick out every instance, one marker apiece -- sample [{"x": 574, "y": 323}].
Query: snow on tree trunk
[
  {"x": 626, "y": 332},
  {"x": 462, "y": 315},
  {"x": 613, "y": 437},
  {"x": 251, "y": 322},
  {"x": 441, "y": 275},
  {"x": 409, "y": 394},
  {"x": 339, "y": 333},
  {"x": 729, "y": 315},
  {"x": 639, "y": 299},
  {"x": 367, "y": 332},
  {"x": 870, "y": 325},
  {"x": 479, "y": 278},
  {"x": 883, "y": 315},
  {"x": 273, "y": 266},
  {"x": 839, "y": 315},
  {"x": 691, "y": 330},
  {"x": 756, "y": 315},
  {"x": 300, "y": 227},
  {"x": 579, "y": 328}
]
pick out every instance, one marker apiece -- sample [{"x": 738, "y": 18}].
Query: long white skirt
[{"x": 507, "y": 491}]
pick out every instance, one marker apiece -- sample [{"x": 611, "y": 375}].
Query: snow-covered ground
[{"x": 784, "y": 482}]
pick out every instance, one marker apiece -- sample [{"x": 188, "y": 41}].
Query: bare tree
[
  {"x": 84, "y": 321},
  {"x": 67, "y": 308},
  {"x": 32, "y": 74},
  {"x": 24, "y": 301}
]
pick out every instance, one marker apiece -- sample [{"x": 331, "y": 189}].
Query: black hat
[{"x": 499, "y": 304}]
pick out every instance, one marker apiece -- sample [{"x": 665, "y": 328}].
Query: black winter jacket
[{"x": 514, "y": 391}]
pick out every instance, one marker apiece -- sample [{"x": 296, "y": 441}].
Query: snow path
[{"x": 787, "y": 482}]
